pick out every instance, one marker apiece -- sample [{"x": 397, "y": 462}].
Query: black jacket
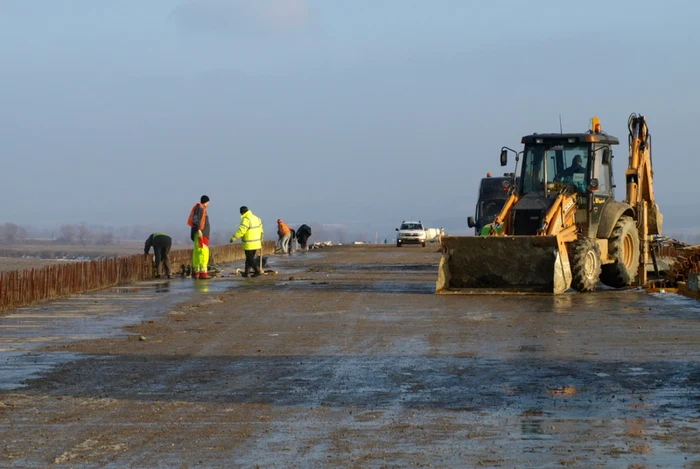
[
  {"x": 157, "y": 240},
  {"x": 303, "y": 232}
]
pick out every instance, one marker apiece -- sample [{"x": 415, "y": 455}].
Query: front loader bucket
[{"x": 503, "y": 264}]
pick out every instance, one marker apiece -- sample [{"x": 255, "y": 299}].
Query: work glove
[{"x": 232, "y": 240}]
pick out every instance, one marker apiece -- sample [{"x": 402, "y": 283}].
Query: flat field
[{"x": 31, "y": 256}]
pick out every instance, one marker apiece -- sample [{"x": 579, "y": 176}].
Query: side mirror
[
  {"x": 504, "y": 157},
  {"x": 607, "y": 156},
  {"x": 470, "y": 222},
  {"x": 396, "y": 229}
]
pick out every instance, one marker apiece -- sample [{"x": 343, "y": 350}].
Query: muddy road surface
[{"x": 348, "y": 359}]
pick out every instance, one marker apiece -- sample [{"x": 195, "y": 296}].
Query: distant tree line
[
  {"x": 83, "y": 235},
  {"x": 11, "y": 233}
]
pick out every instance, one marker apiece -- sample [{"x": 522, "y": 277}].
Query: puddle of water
[
  {"x": 281, "y": 258},
  {"x": 421, "y": 268},
  {"x": 378, "y": 287},
  {"x": 96, "y": 315},
  {"x": 16, "y": 367}
]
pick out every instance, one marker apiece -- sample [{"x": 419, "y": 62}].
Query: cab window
[
  {"x": 602, "y": 172},
  {"x": 566, "y": 164}
]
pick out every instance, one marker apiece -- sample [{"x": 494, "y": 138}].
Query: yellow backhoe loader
[{"x": 561, "y": 226}]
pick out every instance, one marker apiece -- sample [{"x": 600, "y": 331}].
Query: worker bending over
[
  {"x": 161, "y": 244},
  {"x": 284, "y": 234},
  {"x": 303, "y": 235}
]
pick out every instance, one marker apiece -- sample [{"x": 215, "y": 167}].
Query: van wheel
[
  {"x": 398, "y": 244},
  {"x": 584, "y": 258},
  {"x": 423, "y": 244},
  {"x": 623, "y": 246}
]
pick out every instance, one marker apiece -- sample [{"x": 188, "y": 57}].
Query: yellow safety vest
[{"x": 250, "y": 231}]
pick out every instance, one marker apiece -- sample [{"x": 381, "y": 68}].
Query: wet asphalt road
[{"x": 348, "y": 360}]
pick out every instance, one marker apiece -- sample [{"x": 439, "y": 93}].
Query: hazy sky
[{"x": 360, "y": 112}]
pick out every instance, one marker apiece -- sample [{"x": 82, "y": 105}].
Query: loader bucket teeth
[{"x": 503, "y": 264}]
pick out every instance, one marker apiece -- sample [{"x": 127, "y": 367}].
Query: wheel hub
[
  {"x": 589, "y": 264},
  {"x": 628, "y": 251}
]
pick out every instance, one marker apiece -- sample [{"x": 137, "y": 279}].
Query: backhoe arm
[
  {"x": 559, "y": 219},
  {"x": 640, "y": 176}
]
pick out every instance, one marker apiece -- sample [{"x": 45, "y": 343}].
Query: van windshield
[{"x": 493, "y": 189}]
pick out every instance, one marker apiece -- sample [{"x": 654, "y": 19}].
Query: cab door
[{"x": 601, "y": 187}]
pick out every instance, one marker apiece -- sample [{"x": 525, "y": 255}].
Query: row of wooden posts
[{"x": 24, "y": 287}]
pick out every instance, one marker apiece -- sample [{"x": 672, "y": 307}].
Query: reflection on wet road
[{"x": 91, "y": 316}]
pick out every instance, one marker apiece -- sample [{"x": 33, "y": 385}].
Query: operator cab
[
  {"x": 552, "y": 163},
  {"x": 580, "y": 162}
]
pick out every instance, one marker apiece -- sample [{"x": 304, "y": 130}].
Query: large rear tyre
[
  {"x": 584, "y": 258},
  {"x": 623, "y": 246}
]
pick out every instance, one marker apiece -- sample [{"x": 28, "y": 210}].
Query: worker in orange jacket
[
  {"x": 199, "y": 233},
  {"x": 284, "y": 234}
]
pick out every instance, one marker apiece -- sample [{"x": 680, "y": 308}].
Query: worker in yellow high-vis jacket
[{"x": 251, "y": 233}]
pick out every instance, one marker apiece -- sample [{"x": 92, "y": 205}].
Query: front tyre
[
  {"x": 584, "y": 258},
  {"x": 623, "y": 247}
]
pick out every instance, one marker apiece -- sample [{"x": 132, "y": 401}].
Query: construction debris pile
[
  {"x": 686, "y": 261},
  {"x": 680, "y": 258},
  {"x": 661, "y": 243}
]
